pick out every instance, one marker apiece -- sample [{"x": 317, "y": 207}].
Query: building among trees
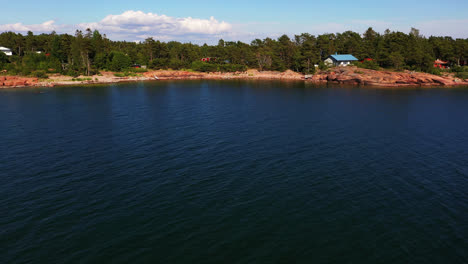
[
  {"x": 7, "y": 51},
  {"x": 340, "y": 60},
  {"x": 208, "y": 59},
  {"x": 440, "y": 64}
]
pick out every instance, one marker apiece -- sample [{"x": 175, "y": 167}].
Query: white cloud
[
  {"x": 138, "y": 23},
  {"x": 47, "y": 26}
]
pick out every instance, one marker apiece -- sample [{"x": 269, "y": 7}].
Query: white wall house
[
  {"x": 340, "y": 60},
  {"x": 7, "y": 51}
]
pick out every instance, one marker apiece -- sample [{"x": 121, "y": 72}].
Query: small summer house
[
  {"x": 367, "y": 59},
  {"x": 340, "y": 60},
  {"x": 7, "y": 51},
  {"x": 440, "y": 64},
  {"x": 208, "y": 59}
]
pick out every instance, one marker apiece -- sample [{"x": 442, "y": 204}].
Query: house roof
[
  {"x": 343, "y": 57},
  {"x": 440, "y": 62}
]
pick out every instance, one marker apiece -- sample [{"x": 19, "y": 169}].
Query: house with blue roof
[{"x": 340, "y": 60}]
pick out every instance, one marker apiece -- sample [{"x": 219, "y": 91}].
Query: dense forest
[{"x": 89, "y": 51}]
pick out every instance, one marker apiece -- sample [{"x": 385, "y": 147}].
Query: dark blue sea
[{"x": 233, "y": 172}]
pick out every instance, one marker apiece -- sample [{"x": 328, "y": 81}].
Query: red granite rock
[
  {"x": 12, "y": 81},
  {"x": 354, "y": 75}
]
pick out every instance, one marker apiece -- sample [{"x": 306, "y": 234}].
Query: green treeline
[{"x": 88, "y": 52}]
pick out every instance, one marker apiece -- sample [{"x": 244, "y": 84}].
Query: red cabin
[
  {"x": 208, "y": 59},
  {"x": 440, "y": 64},
  {"x": 367, "y": 59}
]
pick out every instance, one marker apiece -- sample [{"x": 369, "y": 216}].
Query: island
[{"x": 392, "y": 59}]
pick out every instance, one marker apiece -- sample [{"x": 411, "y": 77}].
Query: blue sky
[{"x": 241, "y": 19}]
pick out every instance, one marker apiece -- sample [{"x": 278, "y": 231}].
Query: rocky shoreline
[
  {"x": 359, "y": 76},
  {"x": 341, "y": 75},
  {"x": 17, "y": 81}
]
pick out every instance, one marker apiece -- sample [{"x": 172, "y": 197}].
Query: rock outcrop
[
  {"x": 250, "y": 74},
  {"x": 16, "y": 81},
  {"x": 359, "y": 76},
  {"x": 342, "y": 75}
]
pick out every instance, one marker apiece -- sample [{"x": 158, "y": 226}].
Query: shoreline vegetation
[{"x": 391, "y": 59}]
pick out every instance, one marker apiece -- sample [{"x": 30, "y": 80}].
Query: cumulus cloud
[
  {"x": 138, "y": 23},
  {"x": 47, "y": 26}
]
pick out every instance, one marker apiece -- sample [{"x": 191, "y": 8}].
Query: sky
[{"x": 208, "y": 21}]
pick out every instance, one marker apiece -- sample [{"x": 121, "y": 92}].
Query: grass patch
[
  {"x": 187, "y": 70},
  {"x": 127, "y": 74},
  {"x": 138, "y": 70},
  {"x": 81, "y": 79},
  {"x": 462, "y": 75},
  {"x": 40, "y": 74}
]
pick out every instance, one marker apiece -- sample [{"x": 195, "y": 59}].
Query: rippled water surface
[{"x": 233, "y": 172}]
